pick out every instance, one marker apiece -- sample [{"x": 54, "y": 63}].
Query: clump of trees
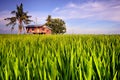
[
  {"x": 57, "y": 25},
  {"x": 19, "y": 17}
]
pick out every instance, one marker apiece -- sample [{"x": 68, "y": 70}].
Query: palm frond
[
  {"x": 13, "y": 12},
  {"x": 21, "y": 6},
  {"x": 27, "y": 21},
  {"x": 11, "y": 24},
  {"x": 7, "y": 18},
  {"x": 12, "y": 28},
  {"x": 12, "y": 21},
  {"x": 29, "y": 16},
  {"x": 17, "y": 15},
  {"x": 8, "y": 23}
]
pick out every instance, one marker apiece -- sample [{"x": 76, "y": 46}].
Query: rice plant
[{"x": 59, "y": 57}]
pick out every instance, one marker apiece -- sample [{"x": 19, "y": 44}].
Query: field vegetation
[{"x": 59, "y": 57}]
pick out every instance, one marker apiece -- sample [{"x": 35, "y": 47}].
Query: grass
[{"x": 59, "y": 57}]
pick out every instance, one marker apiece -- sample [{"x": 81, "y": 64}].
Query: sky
[{"x": 80, "y": 16}]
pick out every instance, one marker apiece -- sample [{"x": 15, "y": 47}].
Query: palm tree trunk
[{"x": 20, "y": 27}]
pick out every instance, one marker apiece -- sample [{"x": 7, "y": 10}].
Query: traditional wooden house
[{"x": 38, "y": 29}]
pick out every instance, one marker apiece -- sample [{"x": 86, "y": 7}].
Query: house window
[
  {"x": 43, "y": 29},
  {"x": 32, "y": 29}
]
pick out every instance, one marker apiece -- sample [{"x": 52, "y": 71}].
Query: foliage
[
  {"x": 59, "y": 57},
  {"x": 19, "y": 17},
  {"x": 57, "y": 25}
]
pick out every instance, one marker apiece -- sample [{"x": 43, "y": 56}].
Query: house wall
[{"x": 38, "y": 30}]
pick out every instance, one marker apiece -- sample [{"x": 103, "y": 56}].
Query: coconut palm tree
[{"x": 19, "y": 17}]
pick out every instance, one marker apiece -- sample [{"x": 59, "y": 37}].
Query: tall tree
[
  {"x": 57, "y": 25},
  {"x": 19, "y": 17},
  {"x": 48, "y": 18}
]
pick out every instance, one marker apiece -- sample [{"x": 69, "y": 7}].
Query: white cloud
[
  {"x": 39, "y": 17},
  {"x": 93, "y": 10},
  {"x": 71, "y": 5},
  {"x": 56, "y": 9},
  {"x": 90, "y": 30}
]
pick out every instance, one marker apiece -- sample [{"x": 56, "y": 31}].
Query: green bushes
[{"x": 59, "y": 57}]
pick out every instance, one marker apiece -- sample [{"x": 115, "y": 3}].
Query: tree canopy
[{"x": 57, "y": 25}]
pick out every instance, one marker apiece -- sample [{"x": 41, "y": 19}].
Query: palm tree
[{"x": 20, "y": 17}]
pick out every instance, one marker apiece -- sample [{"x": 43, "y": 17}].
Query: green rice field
[{"x": 59, "y": 57}]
